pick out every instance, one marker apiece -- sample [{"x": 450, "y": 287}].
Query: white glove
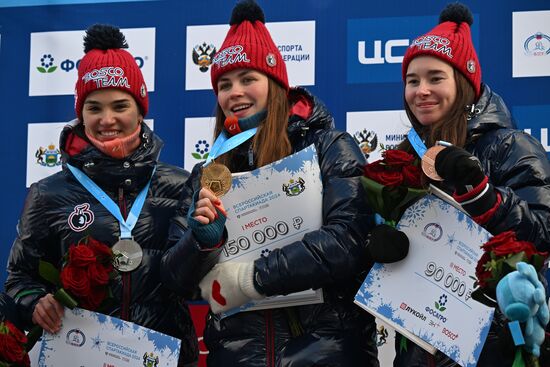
[{"x": 229, "y": 285}]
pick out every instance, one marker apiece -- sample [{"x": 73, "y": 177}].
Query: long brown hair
[
  {"x": 271, "y": 141},
  {"x": 453, "y": 128}
]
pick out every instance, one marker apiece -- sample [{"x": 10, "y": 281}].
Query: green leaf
[
  {"x": 436, "y": 305},
  {"x": 48, "y": 272},
  {"x": 205, "y": 155},
  {"x": 442, "y": 309},
  {"x": 513, "y": 260},
  {"x": 52, "y": 69},
  {"x": 65, "y": 298},
  {"x": 41, "y": 69},
  {"x": 196, "y": 155}
]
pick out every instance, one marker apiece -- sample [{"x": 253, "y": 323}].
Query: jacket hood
[
  {"x": 130, "y": 173},
  {"x": 490, "y": 113},
  {"x": 307, "y": 112}
]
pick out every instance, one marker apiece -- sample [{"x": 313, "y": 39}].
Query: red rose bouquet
[
  {"x": 392, "y": 184},
  {"x": 12, "y": 346},
  {"x": 85, "y": 274},
  {"x": 501, "y": 254},
  {"x": 83, "y": 279}
]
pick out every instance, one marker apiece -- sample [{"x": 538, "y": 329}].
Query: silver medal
[{"x": 127, "y": 254}]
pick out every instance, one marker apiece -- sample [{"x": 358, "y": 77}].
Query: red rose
[
  {"x": 376, "y": 171},
  {"x": 515, "y": 248},
  {"x": 94, "y": 298},
  {"x": 12, "y": 345},
  {"x": 500, "y": 239},
  {"x": 397, "y": 158},
  {"x": 98, "y": 274},
  {"x": 483, "y": 275},
  {"x": 75, "y": 280},
  {"x": 81, "y": 255},
  {"x": 101, "y": 251},
  {"x": 411, "y": 176}
]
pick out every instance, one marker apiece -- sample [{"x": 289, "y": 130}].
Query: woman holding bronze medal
[
  {"x": 113, "y": 191},
  {"x": 260, "y": 120},
  {"x": 499, "y": 175}
]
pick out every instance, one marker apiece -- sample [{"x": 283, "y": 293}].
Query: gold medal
[
  {"x": 217, "y": 178},
  {"x": 428, "y": 162}
]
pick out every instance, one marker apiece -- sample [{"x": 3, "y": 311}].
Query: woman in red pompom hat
[
  {"x": 111, "y": 147},
  {"x": 500, "y": 175},
  {"x": 250, "y": 80}
]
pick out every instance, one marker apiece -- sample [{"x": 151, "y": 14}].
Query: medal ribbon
[
  {"x": 127, "y": 225},
  {"x": 223, "y": 144},
  {"x": 417, "y": 143}
]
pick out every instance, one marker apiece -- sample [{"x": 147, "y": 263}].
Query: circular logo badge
[
  {"x": 143, "y": 91},
  {"x": 271, "y": 60},
  {"x": 471, "y": 66}
]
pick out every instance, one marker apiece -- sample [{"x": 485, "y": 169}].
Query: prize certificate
[
  {"x": 427, "y": 296},
  {"x": 269, "y": 208},
  {"x": 93, "y": 339}
]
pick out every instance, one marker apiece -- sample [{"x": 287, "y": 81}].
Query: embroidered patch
[
  {"x": 471, "y": 66},
  {"x": 271, "y": 60},
  {"x": 81, "y": 217}
]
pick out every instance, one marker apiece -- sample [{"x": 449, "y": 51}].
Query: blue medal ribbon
[
  {"x": 417, "y": 143},
  {"x": 127, "y": 225},
  {"x": 223, "y": 144}
]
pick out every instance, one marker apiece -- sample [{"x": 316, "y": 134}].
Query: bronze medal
[
  {"x": 127, "y": 254},
  {"x": 428, "y": 162},
  {"x": 217, "y": 178}
]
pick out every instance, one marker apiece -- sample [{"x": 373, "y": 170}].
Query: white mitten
[{"x": 229, "y": 285}]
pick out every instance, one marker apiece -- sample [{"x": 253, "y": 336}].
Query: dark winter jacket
[
  {"x": 518, "y": 168},
  {"x": 50, "y": 223},
  {"x": 336, "y": 332}
]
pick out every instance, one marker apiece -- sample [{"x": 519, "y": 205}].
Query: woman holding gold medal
[
  {"x": 470, "y": 148},
  {"x": 113, "y": 190},
  {"x": 260, "y": 120}
]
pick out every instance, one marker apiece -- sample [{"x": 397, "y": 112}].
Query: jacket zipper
[
  {"x": 269, "y": 338},
  {"x": 126, "y": 279}
]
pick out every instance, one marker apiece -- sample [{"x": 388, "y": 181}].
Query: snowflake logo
[
  {"x": 441, "y": 304},
  {"x": 415, "y": 213},
  {"x": 201, "y": 150},
  {"x": 96, "y": 343},
  {"x": 46, "y": 64}
]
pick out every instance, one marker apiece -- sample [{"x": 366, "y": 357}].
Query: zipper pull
[{"x": 250, "y": 156}]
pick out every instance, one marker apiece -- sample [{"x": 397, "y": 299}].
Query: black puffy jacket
[
  {"x": 336, "y": 332},
  {"x": 45, "y": 231},
  {"x": 517, "y": 166}
]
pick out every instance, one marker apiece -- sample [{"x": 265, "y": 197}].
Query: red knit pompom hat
[
  {"x": 450, "y": 41},
  {"x": 249, "y": 45},
  {"x": 107, "y": 65}
]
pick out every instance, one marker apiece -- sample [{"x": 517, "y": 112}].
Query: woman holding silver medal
[
  {"x": 259, "y": 120},
  {"x": 112, "y": 189},
  {"x": 500, "y": 176}
]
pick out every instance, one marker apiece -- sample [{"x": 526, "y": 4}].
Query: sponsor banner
[
  {"x": 54, "y": 58},
  {"x": 199, "y": 132},
  {"x": 532, "y": 119},
  {"x": 377, "y": 130},
  {"x": 295, "y": 40},
  {"x": 376, "y": 46},
  {"x": 531, "y": 43},
  {"x": 43, "y": 150}
]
